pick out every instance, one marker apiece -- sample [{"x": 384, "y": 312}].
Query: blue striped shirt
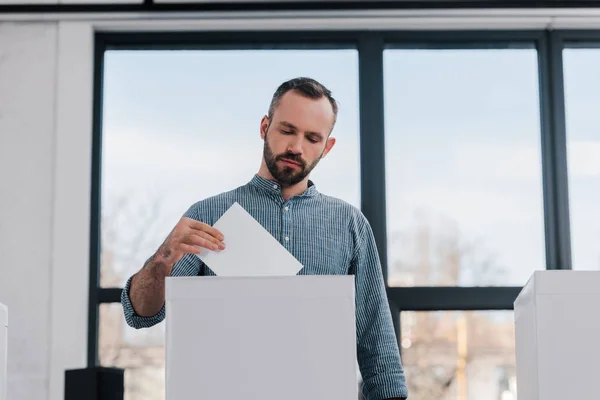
[{"x": 328, "y": 236}]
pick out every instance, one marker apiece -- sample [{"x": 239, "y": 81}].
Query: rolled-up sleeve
[
  {"x": 377, "y": 347},
  {"x": 189, "y": 265},
  {"x": 134, "y": 320}
]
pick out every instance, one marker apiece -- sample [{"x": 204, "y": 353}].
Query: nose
[{"x": 295, "y": 146}]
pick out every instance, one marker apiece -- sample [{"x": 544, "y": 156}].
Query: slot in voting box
[
  {"x": 261, "y": 338},
  {"x": 3, "y": 350},
  {"x": 557, "y": 329}
]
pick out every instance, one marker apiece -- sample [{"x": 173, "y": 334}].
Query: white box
[
  {"x": 557, "y": 329},
  {"x": 261, "y": 338},
  {"x": 3, "y": 349}
]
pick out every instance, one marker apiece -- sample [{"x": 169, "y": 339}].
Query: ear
[
  {"x": 329, "y": 145},
  {"x": 264, "y": 126}
]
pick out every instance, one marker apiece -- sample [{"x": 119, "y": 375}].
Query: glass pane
[
  {"x": 582, "y": 85},
  {"x": 464, "y": 186},
  {"x": 180, "y": 126},
  {"x": 458, "y": 355},
  {"x": 140, "y": 352}
]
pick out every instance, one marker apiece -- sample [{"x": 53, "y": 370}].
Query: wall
[
  {"x": 28, "y": 56},
  {"x": 46, "y": 71}
]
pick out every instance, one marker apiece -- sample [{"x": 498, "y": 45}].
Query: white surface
[
  {"x": 557, "y": 326},
  {"x": 254, "y": 338},
  {"x": 250, "y": 250},
  {"x": 71, "y": 205},
  {"x": 414, "y": 19},
  {"x": 27, "y": 100},
  {"x": 3, "y": 349},
  {"x": 3, "y": 315},
  {"x": 45, "y": 141}
]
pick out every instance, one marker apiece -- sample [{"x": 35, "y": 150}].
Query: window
[
  {"x": 180, "y": 126},
  {"x": 463, "y": 167},
  {"x": 582, "y": 85},
  {"x": 452, "y": 355},
  {"x": 140, "y": 352}
]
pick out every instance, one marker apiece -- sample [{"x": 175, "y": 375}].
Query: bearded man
[{"x": 327, "y": 235}]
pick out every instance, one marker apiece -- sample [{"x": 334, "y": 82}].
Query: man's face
[{"x": 296, "y": 138}]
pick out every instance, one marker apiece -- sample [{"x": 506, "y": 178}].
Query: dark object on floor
[{"x": 98, "y": 383}]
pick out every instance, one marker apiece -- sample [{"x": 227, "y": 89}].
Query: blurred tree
[
  {"x": 129, "y": 234},
  {"x": 441, "y": 349}
]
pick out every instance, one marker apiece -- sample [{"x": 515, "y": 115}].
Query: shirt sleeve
[
  {"x": 377, "y": 347},
  {"x": 189, "y": 265}
]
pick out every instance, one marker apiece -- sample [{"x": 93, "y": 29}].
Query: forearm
[{"x": 147, "y": 291}]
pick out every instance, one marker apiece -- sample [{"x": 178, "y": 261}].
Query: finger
[
  {"x": 203, "y": 239},
  {"x": 188, "y": 249},
  {"x": 199, "y": 241},
  {"x": 201, "y": 226},
  {"x": 215, "y": 241}
]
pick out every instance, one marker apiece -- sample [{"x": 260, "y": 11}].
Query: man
[{"x": 327, "y": 235}]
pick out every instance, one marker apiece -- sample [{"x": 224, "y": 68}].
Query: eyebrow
[{"x": 292, "y": 126}]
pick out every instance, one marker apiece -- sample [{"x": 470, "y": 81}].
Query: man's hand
[
  {"x": 188, "y": 237},
  {"x": 147, "y": 290}
]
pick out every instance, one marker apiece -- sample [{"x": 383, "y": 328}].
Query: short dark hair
[{"x": 306, "y": 87}]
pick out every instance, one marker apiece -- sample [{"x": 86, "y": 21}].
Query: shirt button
[
  {"x": 274, "y": 186},
  {"x": 287, "y": 239},
  {"x": 287, "y": 208}
]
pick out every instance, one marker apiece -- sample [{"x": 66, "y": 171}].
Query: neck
[{"x": 287, "y": 192}]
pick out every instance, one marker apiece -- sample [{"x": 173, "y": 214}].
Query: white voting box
[
  {"x": 261, "y": 338},
  {"x": 557, "y": 328},
  {"x": 3, "y": 349}
]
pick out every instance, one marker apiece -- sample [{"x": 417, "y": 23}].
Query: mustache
[{"x": 292, "y": 157}]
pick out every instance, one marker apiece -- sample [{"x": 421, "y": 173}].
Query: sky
[{"x": 462, "y": 144}]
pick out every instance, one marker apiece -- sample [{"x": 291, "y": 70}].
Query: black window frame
[{"x": 370, "y": 46}]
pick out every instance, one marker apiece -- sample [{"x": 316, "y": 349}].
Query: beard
[{"x": 287, "y": 176}]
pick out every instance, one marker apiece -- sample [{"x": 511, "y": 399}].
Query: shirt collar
[{"x": 274, "y": 186}]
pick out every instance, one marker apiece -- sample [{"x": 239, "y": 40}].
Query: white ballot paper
[{"x": 250, "y": 250}]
